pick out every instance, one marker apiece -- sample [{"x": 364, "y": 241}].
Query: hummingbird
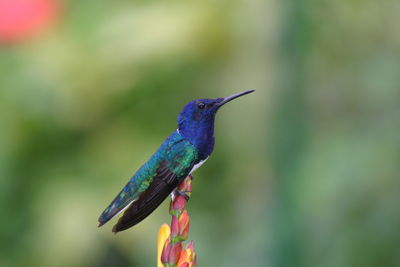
[{"x": 183, "y": 152}]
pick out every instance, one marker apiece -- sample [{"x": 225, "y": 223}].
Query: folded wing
[
  {"x": 162, "y": 185},
  {"x": 152, "y": 184}
]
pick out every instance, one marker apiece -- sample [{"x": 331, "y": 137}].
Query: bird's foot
[
  {"x": 176, "y": 193},
  {"x": 184, "y": 189}
]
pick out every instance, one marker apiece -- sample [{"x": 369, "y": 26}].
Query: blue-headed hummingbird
[{"x": 185, "y": 150}]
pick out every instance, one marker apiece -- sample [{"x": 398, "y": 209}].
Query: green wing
[{"x": 153, "y": 182}]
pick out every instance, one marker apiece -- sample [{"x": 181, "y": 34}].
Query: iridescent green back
[{"x": 180, "y": 156}]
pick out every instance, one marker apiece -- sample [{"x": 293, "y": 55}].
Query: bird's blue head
[{"x": 196, "y": 121}]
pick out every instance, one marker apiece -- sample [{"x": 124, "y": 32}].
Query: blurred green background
[{"x": 305, "y": 170}]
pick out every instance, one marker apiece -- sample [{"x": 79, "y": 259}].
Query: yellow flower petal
[{"x": 163, "y": 235}]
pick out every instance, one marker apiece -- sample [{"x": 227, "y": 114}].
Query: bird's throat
[{"x": 201, "y": 136}]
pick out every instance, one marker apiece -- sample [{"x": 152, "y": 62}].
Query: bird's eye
[{"x": 201, "y": 105}]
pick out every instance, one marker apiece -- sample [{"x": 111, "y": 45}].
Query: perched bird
[{"x": 180, "y": 155}]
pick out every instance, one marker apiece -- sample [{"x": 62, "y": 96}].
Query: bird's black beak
[{"x": 230, "y": 98}]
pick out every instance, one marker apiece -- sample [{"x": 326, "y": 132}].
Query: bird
[{"x": 183, "y": 152}]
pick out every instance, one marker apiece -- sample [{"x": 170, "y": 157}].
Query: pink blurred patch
[{"x": 24, "y": 19}]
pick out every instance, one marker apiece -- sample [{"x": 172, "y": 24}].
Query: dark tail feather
[
  {"x": 122, "y": 200},
  {"x": 147, "y": 202}
]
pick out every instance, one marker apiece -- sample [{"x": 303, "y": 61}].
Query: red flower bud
[
  {"x": 177, "y": 205},
  {"x": 174, "y": 253},
  {"x": 171, "y": 252},
  {"x": 190, "y": 246},
  {"x": 184, "y": 225},
  {"x": 184, "y": 259},
  {"x": 166, "y": 251},
  {"x": 174, "y": 226},
  {"x": 188, "y": 256},
  {"x": 186, "y": 185}
]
